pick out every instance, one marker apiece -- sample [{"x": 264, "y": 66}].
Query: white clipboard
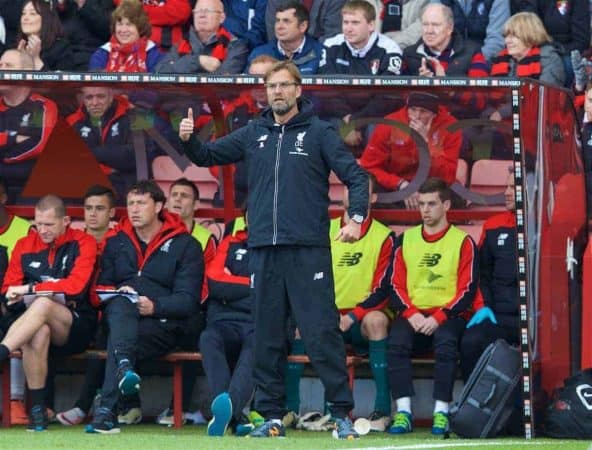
[{"x": 107, "y": 294}]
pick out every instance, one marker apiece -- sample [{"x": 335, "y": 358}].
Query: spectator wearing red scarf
[
  {"x": 529, "y": 51},
  {"x": 169, "y": 20},
  {"x": 129, "y": 49}
]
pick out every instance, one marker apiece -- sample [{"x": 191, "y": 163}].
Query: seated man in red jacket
[
  {"x": 110, "y": 125},
  {"x": 53, "y": 270},
  {"x": 394, "y": 152},
  {"x": 156, "y": 269}
]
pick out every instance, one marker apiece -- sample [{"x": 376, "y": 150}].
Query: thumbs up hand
[{"x": 186, "y": 126}]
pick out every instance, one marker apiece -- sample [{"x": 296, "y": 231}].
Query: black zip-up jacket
[
  {"x": 288, "y": 175},
  {"x": 570, "y": 25},
  {"x": 169, "y": 272},
  {"x": 66, "y": 265},
  {"x": 498, "y": 269},
  {"x": 87, "y": 28}
]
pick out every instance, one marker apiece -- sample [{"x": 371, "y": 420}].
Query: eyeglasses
[
  {"x": 206, "y": 11},
  {"x": 282, "y": 85}
]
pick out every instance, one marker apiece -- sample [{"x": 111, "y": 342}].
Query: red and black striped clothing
[{"x": 503, "y": 65}]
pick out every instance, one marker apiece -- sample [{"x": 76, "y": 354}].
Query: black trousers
[
  {"x": 135, "y": 338},
  {"x": 404, "y": 341},
  {"x": 477, "y": 338},
  {"x": 227, "y": 357},
  {"x": 299, "y": 281}
]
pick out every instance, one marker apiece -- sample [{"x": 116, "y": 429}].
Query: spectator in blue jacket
[
  {"x": 325, "y": 17},
  {"x": 482, "y": 21},
  {"x": 246, "y": 20},
  {"x": 291, "y": 39}
]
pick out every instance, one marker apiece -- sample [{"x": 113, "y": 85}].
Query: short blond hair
[{"x": 527, "y": 27}]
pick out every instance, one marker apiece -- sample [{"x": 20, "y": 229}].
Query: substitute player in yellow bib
[
  {"x": 434, "y": 280},
  {"x": 360, "y": 272}
]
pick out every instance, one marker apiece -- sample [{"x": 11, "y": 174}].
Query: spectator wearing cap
[
  {"x": 392, "y": 154},
  {"x": 209, "y": 48}
]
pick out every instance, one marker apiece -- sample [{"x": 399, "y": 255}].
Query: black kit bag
[
  {"x": 487, "y": 400},
  {"x": 570, "y": 413}
]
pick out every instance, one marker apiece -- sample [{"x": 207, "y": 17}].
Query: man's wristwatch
[{"x": 358, "y": 218}]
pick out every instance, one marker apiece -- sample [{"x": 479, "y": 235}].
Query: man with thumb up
[{"x": 289, "y": 153}]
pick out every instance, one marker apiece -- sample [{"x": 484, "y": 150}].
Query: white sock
[
  {"x": 441, "y": 406},
  {"x": 404, "y": 404},
  {"x": 17, "y": 379}
]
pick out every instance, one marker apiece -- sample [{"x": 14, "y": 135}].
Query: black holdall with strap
[
  {"x": 487, "y": 400},
  {"x": 570, "y": 413}
]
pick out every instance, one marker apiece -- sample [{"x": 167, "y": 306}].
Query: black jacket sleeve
[
  {"x": 58, "y": 57},
  {"x": 486, "y": 264},
  {"x": 96, "y": 15},
  {"x": 343, "y": 163},
  {"x": 183, "y": 300},
  {"x": 224, "y": 150},
  {"x": 571, "y": 30}
]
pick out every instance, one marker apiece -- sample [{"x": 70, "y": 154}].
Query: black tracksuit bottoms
[
  {"x": 404, "y": 341},
  {"x": 227, "y": 357},
  {"x": 133, "y": 337},
  {"x": 297, "y": 281}
]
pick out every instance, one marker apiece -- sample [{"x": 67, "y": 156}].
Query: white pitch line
[{"x": 454, "y": 444}]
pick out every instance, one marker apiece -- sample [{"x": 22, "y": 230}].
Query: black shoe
[
  {"x": 104, "y": 422},
  {"x": 38, "y": 419}
]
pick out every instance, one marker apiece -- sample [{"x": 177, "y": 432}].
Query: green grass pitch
[{"x": 147, "y": 437}]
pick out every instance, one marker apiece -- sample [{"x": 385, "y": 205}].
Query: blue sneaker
[
  {"x": 129, "y": 381},
  {"x": 221, "y": 415},
  {"x": 402, "y": 423},
  {"x": 344, "y": 429},
  {"x": 268, "y": 429},
  {"x": 440, "y": 423},
  {"x": 104, "y": 422}
]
